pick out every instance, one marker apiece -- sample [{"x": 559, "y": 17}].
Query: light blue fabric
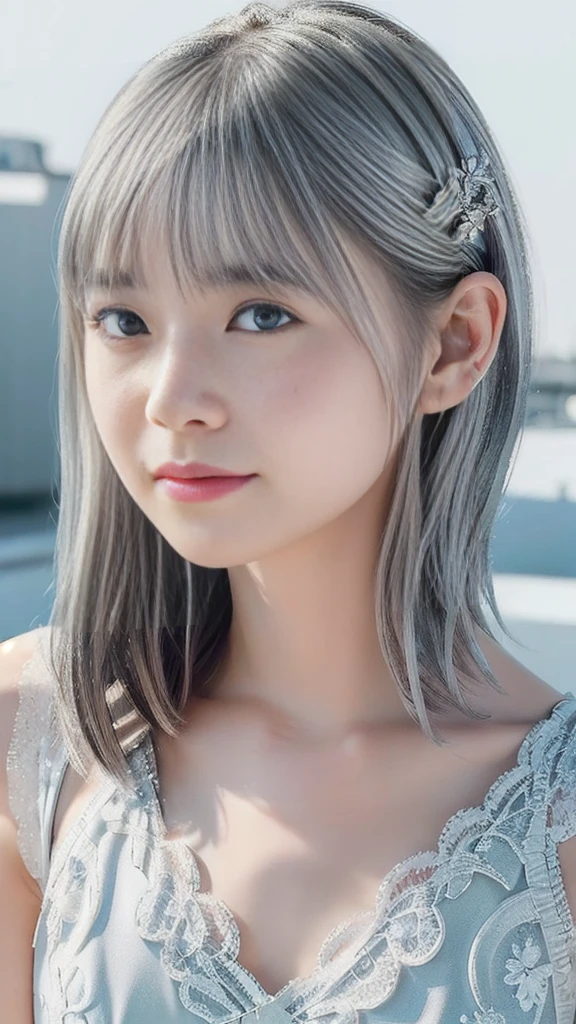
[{"x": 477, "y": 932}]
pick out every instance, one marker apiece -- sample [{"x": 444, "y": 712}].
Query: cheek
[
  {"x": 113, "y": 407},
  {"x": 328, "y": 421}
]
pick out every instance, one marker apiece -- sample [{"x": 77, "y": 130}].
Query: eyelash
[{"x": 97, "y": 319}]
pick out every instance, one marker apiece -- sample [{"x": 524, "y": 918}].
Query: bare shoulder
[
  {"x": 14, "y": 653},
  {"x": 20, "y": 894}
]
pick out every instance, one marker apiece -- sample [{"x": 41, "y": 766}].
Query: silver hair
[{"x": 334, "y": 126}]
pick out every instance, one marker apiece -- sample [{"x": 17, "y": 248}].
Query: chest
[
  {"x": 296, "y": 851},
  {"x": 295, "y": 846}
]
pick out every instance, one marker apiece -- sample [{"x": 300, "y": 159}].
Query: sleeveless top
[{"x": 477, "y": 931}]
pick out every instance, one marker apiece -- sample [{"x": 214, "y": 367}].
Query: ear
[{"x": 466, "y": 331}]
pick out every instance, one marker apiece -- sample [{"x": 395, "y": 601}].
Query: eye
[
  {"x": 266, "y": 316},
  {"x": 121, "y": 314}
]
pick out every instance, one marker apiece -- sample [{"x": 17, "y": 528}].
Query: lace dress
[{"x": 477, "y": 931}]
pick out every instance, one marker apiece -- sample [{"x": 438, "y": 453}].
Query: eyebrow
[{"x": 219, "y": 277}]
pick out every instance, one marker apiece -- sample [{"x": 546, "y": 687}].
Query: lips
[
  {"x": 200, "y": 489},
  {"x": 193, "y": 470}
]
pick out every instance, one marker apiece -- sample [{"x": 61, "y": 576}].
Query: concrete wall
[{"x": 29, "y": 341}]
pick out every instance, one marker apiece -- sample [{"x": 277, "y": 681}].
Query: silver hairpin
[{"x": 472, "y": 184}]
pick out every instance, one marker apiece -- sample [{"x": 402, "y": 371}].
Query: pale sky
[{"x": 62, "y": 61}]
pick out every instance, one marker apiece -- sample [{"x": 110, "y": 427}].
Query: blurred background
[{"x": 62, "y": 62}]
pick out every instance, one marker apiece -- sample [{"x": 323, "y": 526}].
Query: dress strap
[{"x": 554, "y": 758}]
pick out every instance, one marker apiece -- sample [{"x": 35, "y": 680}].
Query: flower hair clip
[{"x": 473, "y": 187}]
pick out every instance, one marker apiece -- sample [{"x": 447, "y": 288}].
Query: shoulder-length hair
[{"x": 286, "y": 140}]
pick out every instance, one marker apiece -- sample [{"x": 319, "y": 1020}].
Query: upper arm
[{"x": 20, "y": 894}]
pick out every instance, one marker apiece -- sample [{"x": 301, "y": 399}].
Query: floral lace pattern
[
  {"x": 483, "y": 1017},
  {"x": 361, "y": 963},
  {"x": 532, "y": 980}
]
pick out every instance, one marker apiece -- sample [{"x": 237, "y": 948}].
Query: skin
[{"x": 281, "y": 779}]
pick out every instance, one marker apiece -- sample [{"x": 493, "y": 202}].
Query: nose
[{"x": 178, "y": 394}]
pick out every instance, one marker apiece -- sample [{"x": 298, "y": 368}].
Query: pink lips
[
  {"x": 202, "y": 488},
  {"x": 192, "y": 470}
]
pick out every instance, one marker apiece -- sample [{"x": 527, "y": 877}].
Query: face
[{"x": 264, "y": 381}]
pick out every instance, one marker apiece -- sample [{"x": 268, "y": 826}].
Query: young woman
[{"x": 268, "y": 762}]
